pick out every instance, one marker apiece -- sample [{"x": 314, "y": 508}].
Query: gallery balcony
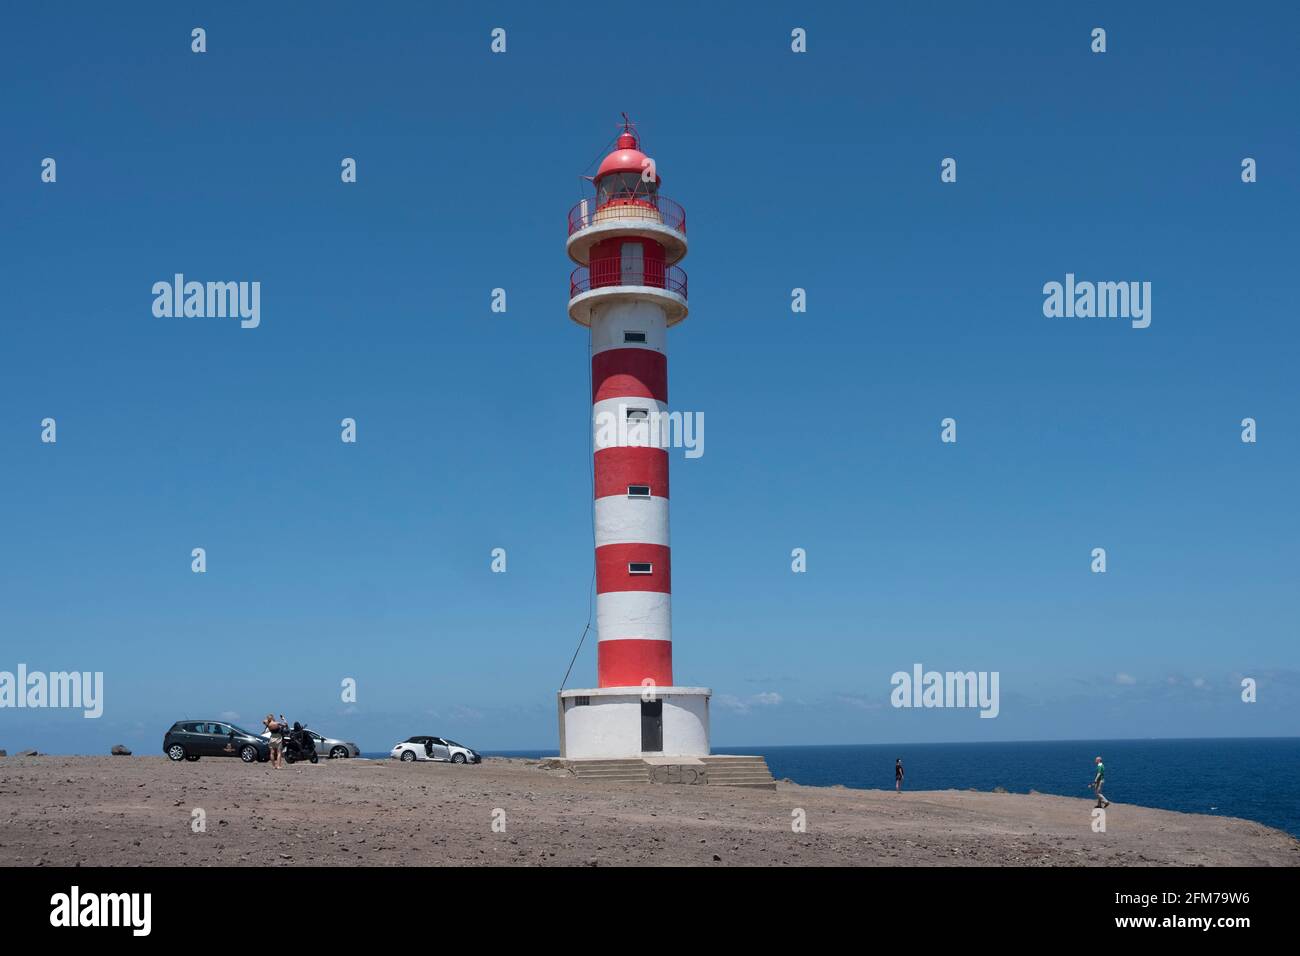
[
  {"x": 609, "y": 279},
  {"x": 647, "y": 216}
]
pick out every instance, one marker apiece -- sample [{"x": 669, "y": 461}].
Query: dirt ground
[{"x": 141, "y": 811}]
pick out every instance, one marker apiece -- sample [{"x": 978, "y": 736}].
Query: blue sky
[{"x": 816, "y": 170}]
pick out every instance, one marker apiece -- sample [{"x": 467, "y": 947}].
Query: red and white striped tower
[{"x": 628, "y": 291}]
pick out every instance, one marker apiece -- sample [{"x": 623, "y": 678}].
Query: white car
[{"x": 434, "y": 748}]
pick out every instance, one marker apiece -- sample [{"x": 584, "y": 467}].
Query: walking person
[
  {"x": 277, "y": 740},
  {"x": 898, "y": 775},
  {"x": 1097, "y": 783}
]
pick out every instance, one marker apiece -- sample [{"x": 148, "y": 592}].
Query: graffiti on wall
[{"x": 677, "y": 773}]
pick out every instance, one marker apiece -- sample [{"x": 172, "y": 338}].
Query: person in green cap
[{"x": 1097, "y": 783}]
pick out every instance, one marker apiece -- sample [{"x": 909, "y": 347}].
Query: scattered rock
[
  {"x": 27, "y": 753},
  {"x": 119, "y": 750}
]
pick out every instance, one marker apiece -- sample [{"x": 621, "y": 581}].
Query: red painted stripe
[
  {"x": 629, "y": 373},
  {"x": 616, "y": 468},
  {"x": 628, "y": 663},
  {"x": 611, "y": 568}
]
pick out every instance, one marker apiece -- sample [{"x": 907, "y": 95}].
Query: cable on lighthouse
[{"x": 591, "y": 589}]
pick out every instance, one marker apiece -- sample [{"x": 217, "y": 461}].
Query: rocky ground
[{"x": 137, "y": 811}]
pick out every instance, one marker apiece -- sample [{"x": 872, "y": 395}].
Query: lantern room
[
  {"x": 627, "y": 236},
  {"x": 621, "y": 178}
]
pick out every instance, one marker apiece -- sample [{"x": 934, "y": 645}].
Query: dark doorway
[{"x": 652, "y": 726}]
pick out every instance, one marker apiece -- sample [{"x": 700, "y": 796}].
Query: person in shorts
[
  {"x": 277, "y": 740},
  {"x": 1098, "y": 782}
]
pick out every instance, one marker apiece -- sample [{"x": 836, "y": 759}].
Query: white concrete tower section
[{"x": 628, "y": 290}]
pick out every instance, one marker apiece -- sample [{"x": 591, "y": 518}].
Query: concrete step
[
  {"x": 599, "y": 774},
  {"x": 611, "y": 771},
  {"x": 742, "y": 771},
  {"x": 756, "y": 772},
  {"x": 722, "y": 771},
  {"x": 747, "y": 768},
  {"x": 614, "y": 775}
]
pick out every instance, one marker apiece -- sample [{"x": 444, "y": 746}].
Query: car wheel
[
  {"x": 248, "y": 753},
  {"x": 315, "y": 758},
  {"x": 457, "y": 758},
  {"x": 408, "y": 756},
  {"x": 176, "y": 752},
  {"x": 339, "y": 752},
  {"x": 191, "y": 757}
]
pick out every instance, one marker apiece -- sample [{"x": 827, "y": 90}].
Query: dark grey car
[{"x": 193, "y": 739}]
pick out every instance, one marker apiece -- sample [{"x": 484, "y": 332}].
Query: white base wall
[{"x": 608, "y": 724}]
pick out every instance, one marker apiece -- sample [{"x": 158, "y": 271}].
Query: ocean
[{"x": 1253, "y": 778}]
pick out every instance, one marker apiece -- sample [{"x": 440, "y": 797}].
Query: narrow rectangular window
[
  {"x": 638, "y": 414},
  {"x": 634, "y": 337},
  {"x": 640, "y": 567},
  {"x": 638, "y": 491},
  {"x": 582, "y": 702}
]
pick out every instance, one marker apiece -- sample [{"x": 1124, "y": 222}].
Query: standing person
[
  {"x": 277, "y": 740},
  {"x": 1097, "y": 783},
  {"x": 898, "y": 775}
]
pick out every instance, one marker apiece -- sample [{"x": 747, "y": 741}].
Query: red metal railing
[
  {"x": 658, "y": 209},
  {"x": 613, "y": 271}
]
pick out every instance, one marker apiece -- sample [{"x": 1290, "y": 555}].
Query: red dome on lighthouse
[{"x": 626, "y": 157}]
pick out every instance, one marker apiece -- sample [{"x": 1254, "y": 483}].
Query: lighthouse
[{"x": 628, "y": 290}]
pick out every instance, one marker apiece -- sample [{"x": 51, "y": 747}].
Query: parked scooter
[{"x": 299, "y": 745}]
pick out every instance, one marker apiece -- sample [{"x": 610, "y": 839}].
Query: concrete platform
[{"x": 722, "y": 770}]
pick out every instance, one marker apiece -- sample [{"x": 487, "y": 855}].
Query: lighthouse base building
[{"x": 616, "y": 722}]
